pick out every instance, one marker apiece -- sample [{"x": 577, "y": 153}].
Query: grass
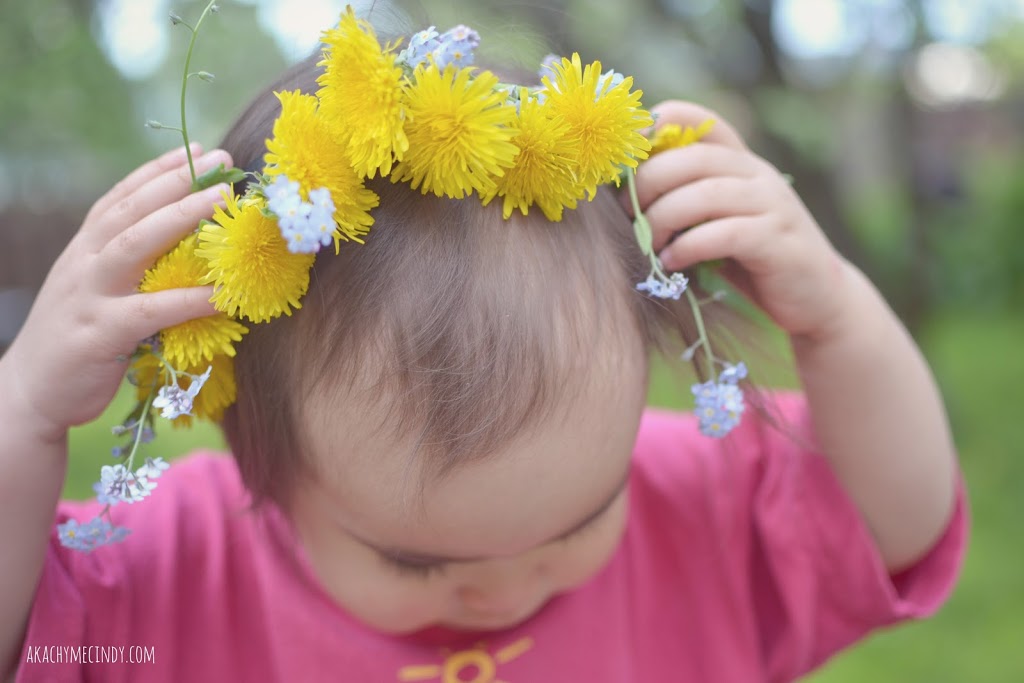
[{"x": 978, "y": 635}]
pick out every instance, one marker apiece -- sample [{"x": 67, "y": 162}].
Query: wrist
[
  {"x": 858, "y": 338},
  {"x": 845, "y": 317},
  {"x": 17, "y": 410}
]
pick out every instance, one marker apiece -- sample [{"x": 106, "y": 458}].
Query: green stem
[
  {"x": 709, "y": 356},
  {"x": 634, "y": 200},
  {"x": 184, "y": 86},
  {"x": 166, "y": 366},
  {"x": 705, "y": 343},
  {"x": 138, "y": 430}
]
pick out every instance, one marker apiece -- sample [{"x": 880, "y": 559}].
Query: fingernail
[
  {"x": 666, "y": 259},
  {"x": 216, "y": 193},
  {"x": 212, "y": 158}
]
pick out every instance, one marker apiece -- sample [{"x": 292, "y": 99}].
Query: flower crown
[{"x": 422, "y": 115}]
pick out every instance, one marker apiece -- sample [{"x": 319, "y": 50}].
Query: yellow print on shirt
[{"x": 476, "y": 661}]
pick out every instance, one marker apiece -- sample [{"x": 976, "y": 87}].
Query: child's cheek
[{"x": 392, "y": 603}]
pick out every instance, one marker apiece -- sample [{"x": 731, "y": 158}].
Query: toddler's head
[{"x": 448, "y": 420}]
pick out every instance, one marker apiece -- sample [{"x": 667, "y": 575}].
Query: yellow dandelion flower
[
  {"x": 248, "y": 262},
  {"x": 361, "y": 96},
  {"x": 304, "y": 150},
  {"x": 542, "y": 173},
  {"x": 604, "y": 116},
  {"x": 217, "y": 393},
  {"x": 194, "y": 341},
  {"x": 459, "y": 129},
  {"x": 672, "y": 135}
]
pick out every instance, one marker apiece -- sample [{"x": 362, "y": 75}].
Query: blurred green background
[{"x": 900, "y": 120}]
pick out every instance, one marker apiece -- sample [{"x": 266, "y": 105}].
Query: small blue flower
[
  {"x": 421, "y": 46},
  {"x": 152, "y": 469},
  {"x": 281, "y": 190},
  {"x": 175, "y": 401},
  {"x": 320, "y": 225},
  {"x": 102, "y": 497},
  {"x": 141, "y": 488},
  {"x": 453, "y": 47},
  {"x": 733, "y": 373},
  {"x": 113, "y": 483},
  {"x": 320, "y": 198},
  {"x": 118, "y": 485},
  {"x": 608, "y": 80},
  {"x": 305, "y": 225},
  {"x": 118, "y": 430},
  {"x": 719, "y": 407},
  {"x": 95, "y": 533},
  {"x": 301, "y": 240},
  {"x": 672, "y": 288},
  {"x": 456, "y": 47},
  {"x": 463, "y": 35},
  {"x": 291, "y": 213}
]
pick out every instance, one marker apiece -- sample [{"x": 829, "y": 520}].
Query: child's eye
[{"x": 420, "y": 571}]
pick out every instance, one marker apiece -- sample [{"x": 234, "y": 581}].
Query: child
[{"x": 443, "y": 468}]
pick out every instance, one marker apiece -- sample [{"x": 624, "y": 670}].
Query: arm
[
  {"x": 32, "y": 463},
  {"x": 69, "y": 358},
  {"x": 880, "y": 421},
  {"x": 877, "y": 413}
]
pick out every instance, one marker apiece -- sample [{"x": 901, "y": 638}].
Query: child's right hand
[{"x": 65, "y": 365}]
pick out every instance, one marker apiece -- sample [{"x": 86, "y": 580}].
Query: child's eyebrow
[{"x": 417, "y": 558}]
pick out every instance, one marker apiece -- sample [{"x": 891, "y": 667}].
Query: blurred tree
[
  {"x": 73, "y": 124},
  {"x": 880, "y": 165},
  {"x": 65, "y": 112}
]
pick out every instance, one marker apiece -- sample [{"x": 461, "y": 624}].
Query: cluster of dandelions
[
  {"x": 167, "y": 369},
  {"x": 424, "y": 115}
]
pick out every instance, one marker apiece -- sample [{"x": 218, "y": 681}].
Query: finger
[
  {"x": 738, "y": 237},
  {"x": 139, "y": 177},
  {"x": 127, "y": 257},
  {"x": 159, "y": 192},
  {"x": 701, "y": 201},
  {"x": 690, "y": 114},
  {"x": 676, "y": 167},
  {"x": 143, "y": 315}
]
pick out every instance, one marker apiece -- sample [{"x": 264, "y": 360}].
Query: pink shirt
[{"x": 743, "y": 561}]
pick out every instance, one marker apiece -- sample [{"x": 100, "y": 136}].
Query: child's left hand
[
  {"x": 722, "y": 201},
  {"x": 878, "y": 418}
]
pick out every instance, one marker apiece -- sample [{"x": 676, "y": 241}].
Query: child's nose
[
  {"x": 500, "y": 591},
  {"x": 491, "y": 601}
]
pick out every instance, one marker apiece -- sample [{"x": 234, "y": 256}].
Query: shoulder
[
  {"x": 194, "y": 491},
  {"x": 697, "y": 493},
  {"x": 671, "y": 452},
  {"x": 199, "y": 502},
  {"x": 197, "y": 556}
]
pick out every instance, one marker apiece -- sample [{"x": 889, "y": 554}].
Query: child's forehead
[{"x": 541, "y": 484}]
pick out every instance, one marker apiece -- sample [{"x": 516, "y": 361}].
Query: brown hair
[{"x": 465, "y": 327}]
